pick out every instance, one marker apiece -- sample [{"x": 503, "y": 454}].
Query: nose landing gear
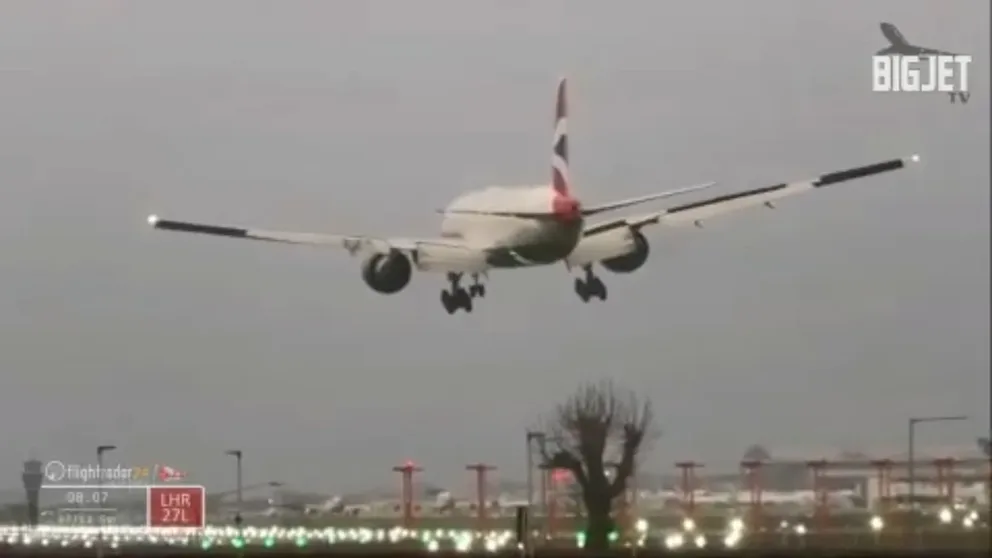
[{"x": 590, "y": 286}]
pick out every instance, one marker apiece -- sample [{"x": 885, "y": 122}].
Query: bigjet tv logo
[
  {"x": 906, "y": 68},
  {"x": 915, "y": 74}
]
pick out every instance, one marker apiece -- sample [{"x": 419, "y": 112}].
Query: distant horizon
[{"x": 923, "y": 457}]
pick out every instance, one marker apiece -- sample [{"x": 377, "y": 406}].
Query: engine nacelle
[
  {"x": 387, "y": 273},
  {"x": 632, "y": 260}
]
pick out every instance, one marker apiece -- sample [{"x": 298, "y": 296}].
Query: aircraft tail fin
[
  {"x": 894, "y": 36},
  {"x": 560, "y": 180}
]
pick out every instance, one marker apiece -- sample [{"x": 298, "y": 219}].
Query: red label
[{"x": 176, "y": 506}]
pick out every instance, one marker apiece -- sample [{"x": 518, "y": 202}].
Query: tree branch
[{"x": 634, "y": 432}]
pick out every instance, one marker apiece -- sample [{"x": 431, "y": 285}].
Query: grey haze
[{"x": 824, "y": 324}]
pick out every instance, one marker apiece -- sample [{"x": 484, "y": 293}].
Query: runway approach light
[
  {"x": 800, "y": 529},
  {"x": 946, "y": 516},
  {"x": 675, "y": 540},
  {"x": 876, "y": 523},
  {"x": 688, "y": 525},
  {"x": 732, "y": 539}
]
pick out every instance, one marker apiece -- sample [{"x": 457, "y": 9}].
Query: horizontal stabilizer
[
  {"x": 586, "y": 212},
  {"x": 620, "y": 204}
]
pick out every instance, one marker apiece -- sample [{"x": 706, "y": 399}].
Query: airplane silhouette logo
[{"x": 899, "y": 45}]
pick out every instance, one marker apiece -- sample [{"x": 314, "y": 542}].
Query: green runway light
[
  {"x": 270, "y": 542},
  {"x": 206, "y": 544},
  {"x": 237, "y": 542},
  {"x": 614, "y": 536},
  {"x": 580, "y": 539},
  {"x": 301, "y": 542}
]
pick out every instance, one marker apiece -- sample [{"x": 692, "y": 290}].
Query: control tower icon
[{"x": 32, "y": 477}]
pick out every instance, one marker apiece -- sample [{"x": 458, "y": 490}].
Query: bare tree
[{"x": 595, "y": 427}]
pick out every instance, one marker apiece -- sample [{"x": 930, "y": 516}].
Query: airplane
[
  {"x": 837, "y": 498},
  {"x": 899, "y": 45},
  {"x": 314, "y": 504},
  {"x": 509, "y": 502},
  {"x": 447, "y": 502},
  {"x": 517, "y": 227},
  {"x": 833, "y": 498}
]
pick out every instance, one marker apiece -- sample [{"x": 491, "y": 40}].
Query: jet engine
[
  {"x": 632, "y": 260},
  {"x": 387, "y": 273}
]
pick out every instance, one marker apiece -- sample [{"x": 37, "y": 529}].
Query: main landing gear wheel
[
  {"x": 590, "y": 287},
  {"x": 477, "y": 291},
  {"x": 457, "y": 298}
]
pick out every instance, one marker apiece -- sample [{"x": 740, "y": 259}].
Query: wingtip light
[
  {"x": 153, "y": 220},
  {"x": 915, "y": 157}
]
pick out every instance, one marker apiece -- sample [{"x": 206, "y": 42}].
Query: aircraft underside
[
  {"x": 631, "y": 245},
  {"x": 622, "y": 250}
]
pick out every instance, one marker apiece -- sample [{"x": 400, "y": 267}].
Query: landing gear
[
  {"x": 458, "y": 298},
  {"x": 590, "y": 286},
  {"x": 476, "y": 289},
  {"x": 455, "y": 300}
]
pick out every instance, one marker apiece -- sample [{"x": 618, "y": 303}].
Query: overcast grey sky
[{"x": 823, "y": 324}]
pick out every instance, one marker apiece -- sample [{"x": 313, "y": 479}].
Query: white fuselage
[
  {"x": 492, "y": 230},
  {"x": 525, "y": 240}
]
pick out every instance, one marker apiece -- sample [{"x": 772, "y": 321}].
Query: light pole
[
  {"x": 237, "y": 456},
  {"x": 532, "y": 437},
  {"x": 911, "y": 458},
  {"x": 100, "y": 450}
]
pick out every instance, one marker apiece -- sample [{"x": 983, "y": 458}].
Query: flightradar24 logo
[{"x": 903, "y": 67}]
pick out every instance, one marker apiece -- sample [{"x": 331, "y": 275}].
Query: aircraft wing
[
  {"x": 696, "y": 213},
  {"x": 620, "y": 204},
  {"x": 439, "y": 254}
]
